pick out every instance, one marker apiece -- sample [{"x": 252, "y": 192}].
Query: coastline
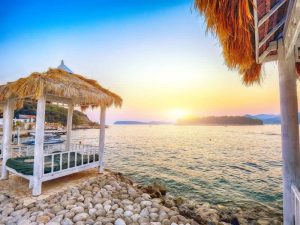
[{"x": 113, "y": 198}]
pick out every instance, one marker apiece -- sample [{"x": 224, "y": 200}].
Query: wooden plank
[
  {"x": 271, "y": 12},
  {"x": 292, "y": 28},
  {"x": 267, "y": 37},
  {"x": 256, "y": 31},
  {"x": 101, "y": 139},
  {"x": 39, "y": 146},
  {"x": 7, "y": 132},
  {"x": 69, "y": 125},
  {"x": 264, "y": 57},
  {"x": 66, "y": 172}
]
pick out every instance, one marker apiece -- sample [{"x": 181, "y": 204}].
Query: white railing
[
  {"x": 296, "y": 197},
  {"x": 61, "y": 161},
  {"x": 17, "y": 151}
]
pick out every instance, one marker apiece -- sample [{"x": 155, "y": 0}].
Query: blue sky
[{"x": 155, "y": 54}]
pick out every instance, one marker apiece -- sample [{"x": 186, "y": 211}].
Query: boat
[
  {"x": 48, "y": 132},
  {"x": 49, "y": 140}
]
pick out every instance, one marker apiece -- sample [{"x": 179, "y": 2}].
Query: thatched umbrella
[
  {"x": 59, "y": 85},
  {"x": 232, "y": 22},
  {"x": 82, "y": 91},
  {"x": 252, "y": 32}
]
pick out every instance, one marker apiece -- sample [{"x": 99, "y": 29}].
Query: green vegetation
[{"x": 55, "y": 114}]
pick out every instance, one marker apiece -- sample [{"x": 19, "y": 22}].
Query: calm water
[{"x": 228, "y": 165}]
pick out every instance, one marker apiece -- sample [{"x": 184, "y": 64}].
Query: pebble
[
  {"x": 128, "y": 213},
  {"x": 120, "y": 222},
  {"x": 113, "y": 201},
  {"x": 80, "y": 217},
  {"x": 67, "y": 221}
]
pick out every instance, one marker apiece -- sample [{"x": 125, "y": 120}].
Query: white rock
[
  {"x": 174, "y": 224},
  {"x": 128, "y": 213},
  {"x": 135, "y": 217},
  {"x": 120, "y": 222},
  {"x": 146, "y": 203},
  {"x": 127, "y": 202},
  {"x": 114, "y": 207},
  {"x": 128, "y": 208},
  {"x": 53, "y": 223},
  {"x": 119, "y": 212},
  {"x": 80, "y": 217},
  {"x": 92, "y": 212},
  {"x": 108, "y": 202},
  {"x": 146, "y": 196},
  {"x": 77, "y": 209},
  {"x": 24, "y": 222},
  {"x": 155, "y": 223},
  {"x": 132, "y": 191},
  {"x": 57, "y": 219},
  {"x": 67, "y": 221},
  {"x": 108, "y": 187},
  {"x": 98, "y": 206},
  {"x": 162, "y": 215},
  {"x": 107, "y": 208},
  {"x": 144, "y": 213},
  {"x": 153, "y": 216}
]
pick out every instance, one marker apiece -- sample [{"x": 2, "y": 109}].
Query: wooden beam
[
  {"x": 271, "y": 12},
  {"x": 256, "y": 31},
  {"x": 58, "y": 99},
  {"x": 292, "y": 28},
  {"x": 7, "y": 134},
  {"x": 39, "y": 146},
  {"x": 289, "y": 131},
  {"x": 101, "y": 139},
  {"x": 264, "y": 57},
  {"x": 69, "y": 125},
  {"x": 267, "y": 37}
]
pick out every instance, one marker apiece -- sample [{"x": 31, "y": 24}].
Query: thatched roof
[
  {"x": 232, "y": 21},
  {"x": 59, "y": 83}
]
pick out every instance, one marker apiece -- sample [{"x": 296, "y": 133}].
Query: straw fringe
[
  {"x": 82, "y": 91},
  {"x": 232, "y": 22}
]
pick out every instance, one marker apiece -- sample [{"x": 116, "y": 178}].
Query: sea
[{"x": 230, "y": 165}]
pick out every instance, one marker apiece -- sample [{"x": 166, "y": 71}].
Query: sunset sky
[{"x": 155, "y": 54}]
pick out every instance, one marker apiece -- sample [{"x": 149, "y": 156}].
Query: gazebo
[
  {"x": 251, "y": 33},
  {"x": 55, "y": 86}
]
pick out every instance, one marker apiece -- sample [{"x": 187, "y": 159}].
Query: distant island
[
  {"x": 269, "y": 118},
  {"x": 132, "y": 122},
  {"x": 220, "y": 120}
]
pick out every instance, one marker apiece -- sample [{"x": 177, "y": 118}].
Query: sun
[{"x": 178, "y": 113}]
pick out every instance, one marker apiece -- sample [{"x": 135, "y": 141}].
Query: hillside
[
  {"x": 222, "y": 120},
  {"x": 55, "y": 114},
  {"x": 269, "y": 118}
]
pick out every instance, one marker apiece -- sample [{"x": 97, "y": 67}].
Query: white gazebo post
[
  {"x": 8, "y": 110},
  {"x": 101, "y": 138},
  {"x": 39, "y": 146},
  {"x": 289, "y": 131},
  {"x": 69, "y": 125}
]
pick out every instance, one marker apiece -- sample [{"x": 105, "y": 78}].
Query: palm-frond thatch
[
  {"x": 59, "y": 83},
  {"x": 232, "y": 22}
]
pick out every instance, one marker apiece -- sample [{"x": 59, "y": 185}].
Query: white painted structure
[
  {"x": 49, "y": 165},
  {"x": 285, "y": 49},
  {"x": 91, "y": 156}
]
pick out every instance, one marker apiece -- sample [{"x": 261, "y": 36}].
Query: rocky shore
[{"x": 113, "y": 199}]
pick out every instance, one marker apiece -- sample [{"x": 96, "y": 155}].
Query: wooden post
[
  {"x": 69, "y": 125},
  {"x": 39, "y": 146},
  {"x": 7, "y": 134},
  {"x": 101, "y": 139},
  {"x": 289, "y": 131},
  {"x": 18, "y": 134}
]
